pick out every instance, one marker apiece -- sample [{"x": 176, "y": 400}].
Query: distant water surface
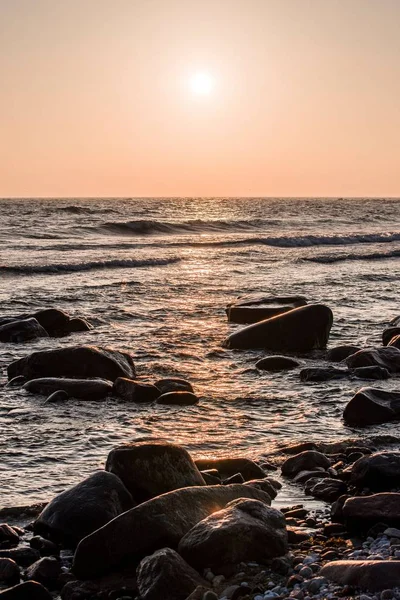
[{"x": 154, "y": 277}]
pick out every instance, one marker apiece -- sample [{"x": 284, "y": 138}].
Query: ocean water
[{"x": 154, "y": 276}]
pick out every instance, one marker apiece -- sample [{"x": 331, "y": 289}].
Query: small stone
[
  {"x": 306, "y": 572},
  {"x": 218, "y": 579},
  {"x": 316, "y": 584},
  {"x": 209, "y": 595},
  {"x": 387, "y": 595}
]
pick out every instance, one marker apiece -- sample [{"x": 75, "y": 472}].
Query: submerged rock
[
  {"x": 301, "y": 329},
  {"x": 323, "y": 373},
  {"x": 83, "y": 508},
  {"x": 339, "y": 353},
  {"x": 386, "y": 357},
  {"x": 83, "y": 389},
  {"x": 178, "y": 398},
  {"x": 244, "y": 530},
  {"x": 377, "y": 472},
  {"x": 151, "y": 468},
  {"x": 135, "y": 391},
  {"x": 371, "y": 405},
  {"x": 173, "y": 384},
  {"x": 75, "y": 361},
  {"x": 277, "y": 363},
  {"x": 157, "y": 523},
  {"x": 371, "y": 575},
  {"x": 21, "y": 331}
]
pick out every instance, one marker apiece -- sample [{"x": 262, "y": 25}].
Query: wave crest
[{"x": 87, "y": 266}]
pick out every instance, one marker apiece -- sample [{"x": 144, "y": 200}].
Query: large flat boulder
[
  {"x": 83, "y": 389},
  {"x": 257, "y": 308},
  {"x": 244, "y": 530},
  {"x": 372, "y": 405},
  {"x": 21, "y": 331},
  {"x": 157, "y": 523},
  {"x": 301, "y": 329},
  {"x": 151, "y": 468},
  {"x": 361, "y": 512},
  {"x": 378, "y": 472},
  {"x": 83, "y": 508},
  {"x": 75, "y": 361},
  {"x": 385, "y": 356},
  {"x": 371, "y": 575}
]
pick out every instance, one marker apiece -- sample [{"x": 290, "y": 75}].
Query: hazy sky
[{"x": 96, "y": 98}]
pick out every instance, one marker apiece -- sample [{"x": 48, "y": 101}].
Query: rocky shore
[{"x": 159, "y": 524}]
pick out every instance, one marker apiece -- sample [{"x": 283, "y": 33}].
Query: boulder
[
  {"x": 119, "y": 585},
  {"x": 77, "y": 324},
  {"x": 361, "y": 512},
  {"x": 230, "y": 466},
  {"x": 328, "y": 489},
  {"x": 378, "y": 472},
  {"x": 83, "y": 508},
  {"x": 54, "y": 321},
  {"x": 371, "y": 575},
  {"x": 389, "y": 333},
  {"x": 46, "y": 570},
  {"x": 21, "y": 331},
  {"x": 166, "y": 575},
  {"x": 277, "y": 363},
  {"x": 323, "y": 373},
  {"x": 245, "y": 530},
  {"x": 173, "y": 384},
  {"x": 9, "y": 571},
  {"x": 151, "y": 468},
  {"x": 266, "y": 485},
  {"x": 83, "y": 389},
  {"x": 178, "y": 398},
  {"x": 135, "y": 391},
  {"x": 29, "y": 590},
  {"x": 394, "y": 342},
  {"x": 22, "y": 556},
  {"x": 301, "y": 329},
  {"x": 340, "y": 353},
  {"x": 305, "y": 461},
  {"x": 258, "y": 308},
  {"x": 8, "y": 536},
  {"x": 387, "y": 357},
  {"x": 76, "y": 361},
  {"x": 159, "y": 522},
  {"x": 373, "y": 372},
  {"x": 371, "y": 405}
]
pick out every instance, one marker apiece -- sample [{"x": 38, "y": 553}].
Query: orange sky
[{"x": 95, "y": 98}]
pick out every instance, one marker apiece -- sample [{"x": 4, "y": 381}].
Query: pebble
[
  {"x": 306, "y": 572},
  {"x": 387, "y": 595}
]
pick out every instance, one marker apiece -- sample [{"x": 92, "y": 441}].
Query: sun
[{"x": 201, "y": 83}]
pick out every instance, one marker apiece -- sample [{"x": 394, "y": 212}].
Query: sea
[{"x": 153, "y": 276}]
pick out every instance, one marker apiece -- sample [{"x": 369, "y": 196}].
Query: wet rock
[
  {"x": 258, "y": 308},
  {"x": 77, "y": 324},
  {"x": 8, "y": 536},
  {"x": 82, "y": 389},
  {"x": 244, "y": 530},
  {"x": 237, "y": 478},
  {"x": 22, "y": 556},
  {"x": 210, "y": 479},
  {"x": 76, "y": 361},
  {"x": 21, "y": 331},
  {"x": 135, "y": 391},
  {"x": 372, "y": 405},
  {"x": 339, "y": 353},
  {"x": 372, "y": 575},
  {"x": 373, "y": 372},
  {"x": 297, "y": 448},
  {"x": 305, "y": 461},
  {"x": 83, "y": 508},
  {"x": 173, "y": 384},
  {"x": 377, "y": 472},
  {"x": 323, "y": 373},
  {"x": 301, "y": 329},
  {"x": 389, "y": 334},
  {"x": 151, "y": 468},
  {"x": 9, "y": 571},
  {"x": 277, "y": 363},
  {"x": 166, "y": 575},
  {"x": 54, "y": 321},
  {"x": 157, "y": 523},
  {"x": 178, "y": 398},
  {"x": 305, "y": 476},
  {"x": 394, "y": 342},
  {"x": 58, "y": 396},
  {"x": 328, "y": 489},
  {"x": 229, "y": 466},
  {"x": 45, "y": 547},
  {"x": 119, "y": 585},
  {"x": 29, "y": 590},
  {"x": 361, "y": 512},
  {"x": 265, "y": 485},
  {"x": 16, "y": 381},
  {"x": 46, "y": 571},
  {"x": 386, "y": 357}
]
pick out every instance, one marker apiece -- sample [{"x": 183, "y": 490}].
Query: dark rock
[
  {"x": 83, "y": 389},
  {"x": 334, "y": 529},
  {"x": 46, "y": 571},
  {"x": 58, "y": 396},
  {"x": 394, "y": 342},
  {"x": 166, "y": 575},
  {"x": 305, "y": 461},
  {"x": 29, "y": 590},
  {"x": 237, "y": 478},
  {"x": 22, "y": 556},
  {"x": 210, "y": 479},
  {"x": 305, "y": 476},
  {"x": 297, "y": 448},
  {"x": 8, "y": 536},
  {"x": 83, "y": 508},
  {"x": 371, "y": 405},
  {"x": 277, "y": 363},
  {"x": 265, "y": 485},
  {"x": 259, "y": 308},
  {"x": 373, "y": 372},
  {"x": 364, "y": 511},
  {"x": 21, "y": 331},
  {"x": 54, "y": 321},
  {"x": 372, "y": 575},
  {"x": 386, "y": 357},
  {"x": 378, "y": 472},
  {"x": 115, "y": 586},
  {"x": 77, "y": 324},
  {"x": 323, "y": 373},
  {"x": 328, "y": 489},
  {"x": 229, "y": 466},
  {"x": 9, "y": 571},
  {"x": 297, "y": 536},
  {"x": 76, "y": 361},
  {"x": 340, "y": 353},
  {"x": 302, "y": 329},
  {"x": 45, "y": 547},
  {"x": 157, "y": 523},
  {"x": 151, "y": 468},
  {"x": 16, "y": 381},
  {"x": 173, "y": 384},
  {"x": 389, "y": 334},
  {"x": 135, "y": 391},
  {"x": 243, "y": 531},
  {"x": 178, "y": 398}
]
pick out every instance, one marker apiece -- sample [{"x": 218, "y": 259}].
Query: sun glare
[{"x": 201, "y": 84}]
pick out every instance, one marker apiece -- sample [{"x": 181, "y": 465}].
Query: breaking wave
[{"x": 87, "y": 266}]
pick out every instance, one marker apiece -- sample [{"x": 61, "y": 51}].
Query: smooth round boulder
[
  {"x": 305, "y": 461},
  {"x": 245, "y": 530},
  {"x": 54, "y": 320},
  {"x": 301, "y": 329},
  {"x": 78, "y": 324},
  {"x": 277, "y": 363},
  {"x": 339, "y": 353},
  {"x": 135, "y": 391},
  {"x": 362, "y": 512},
  {"x": 83, "y": 508},
  {"x": 173, "y": 384},
  {"x": 22, "y": 331},
  {"x": 371, "y": 406},
  {"x": 82, "y": 389},
  {"x": 387, "y": 357},
  {"x": 177, "y": 398},
  {"x": 151, "y": 468},
  {"x": 46, "y": 571},
  {"x": 378, "y": 472}
]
